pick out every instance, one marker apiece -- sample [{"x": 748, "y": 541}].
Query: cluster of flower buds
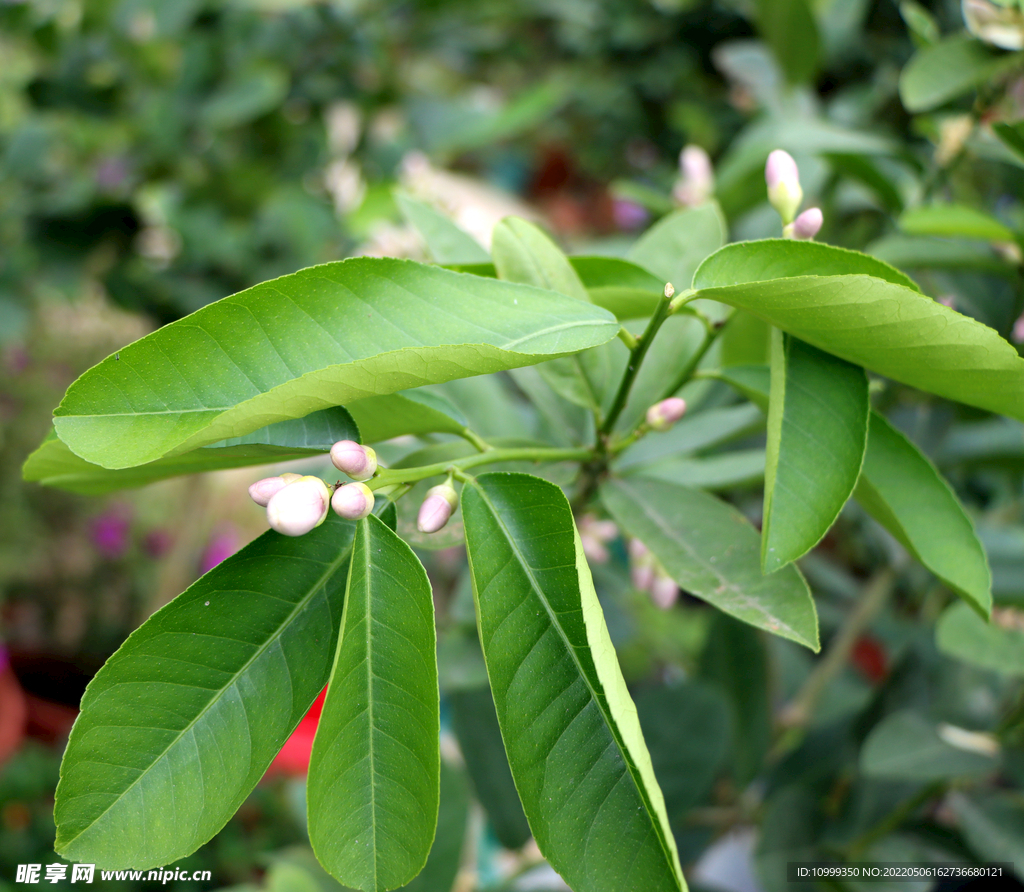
[
  {"x": 662, "y": 415},
  {"x": 696, "y": 183},
  {"x": 649, "y": 576},
  {"x": 437, "y": 507},
  {"x": 785, "y": 195}
]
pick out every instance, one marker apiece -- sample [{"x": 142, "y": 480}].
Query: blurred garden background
[{"x": 157, "y": 155}]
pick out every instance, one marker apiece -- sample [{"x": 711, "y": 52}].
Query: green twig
[
  {"x": 479, "y": 442},
  {"x": 627, "y": 337}
]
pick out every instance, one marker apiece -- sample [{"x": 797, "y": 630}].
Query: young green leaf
[
  {"x": 817, "y": 434},
  {"x": 446, "y": 242},
  {"x": 674, "y": 247},
  {"x": 712, "y": 552},
  {"x": 964, "y": 635},
  {"x": 885, "y": 327},
  {"x": 570, "y": 728},
  {"x": 901, "y": 489},
  {"x": 941, "y": 72},
  {"x": 627, "y": 290},
  {"x": 324, "y": 336},
  {"x": 180, "y": 724},
  {"x": 372, "y": 793}
]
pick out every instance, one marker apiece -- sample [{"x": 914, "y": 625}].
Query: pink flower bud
[
  {"x": 359, "y": 462},
  {"x": 437, "y": 508},
  {"x": 664, "y": 592},
  {"x": 353, "y": 501},
  {"x": 697, "y": 181},
  {"x": 805, "y": 227},
  {"x": 1018, "y": 330},
  {"x": 783, "y": 179},
  {"x": 641, "y": 570},
  {"x": 263, "y": 490},
  {"x": 661, "y": 416},
  {"x": 299, "y": 507}
]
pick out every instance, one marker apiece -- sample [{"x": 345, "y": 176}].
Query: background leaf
[
  {"x": 372, "y": 793},
  {"x": 817, "y": 434},
  {"x": 901, "y": 489},
  {"x": 945, "y": 70},
  {"x": 446, "y": 242},
  {"x": 442, "y": 867},
  {"x": 789, "y": 28},
  {"x": 168, "y": 744},
  {"x": 324, "y": 336},
  {"x": 907, "y": 746},
  {"x": 964, "y": 635},
  {"x": 951, "y": 220},
  {"x": 674, "y": 247},
  {"x": 712, "y": 552},
  {"x": 570, "y": 729}
]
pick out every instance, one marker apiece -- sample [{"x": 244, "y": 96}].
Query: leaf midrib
[
  {"x": 332, "y": 567},
  {"x": 609, "y": 723}
]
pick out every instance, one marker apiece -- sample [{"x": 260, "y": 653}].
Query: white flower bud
[
  {"x": 353, "y": 501},
  {"x": 805, "y": 227},
  {"x": 697, "y": 181},
  {"x": 664, "y": 592},
  {"x": 263, "y": 490},
  {"x": 1000, "y": 24},
  {"x": 359, "y": 462},
  {"x": 437, "y": 508},
  {"x": 661, "y": 416},
  {"x": 299, "y": 506},
  {"x": 783, "y": 179}
]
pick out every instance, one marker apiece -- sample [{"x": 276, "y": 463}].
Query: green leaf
[
  {"x": 372, "y": 794},
  {"x": 627, "y": 290},
  {"x": 442, "y": 867},
  {"x": 179, "y": 725},
  {"x": 1004, "y": 546},
  {"x": 674, "y": 247},
  {"x": 993, "y": 826},
  {"x": 324, "y": 336},
  {"x": 901, "y": 489},
  {"x": 1012, "y": 136},
  {"x": 714, "y": 473},
  {"x": 523, "y": 253},
  {"x": 954, "y": 220},
  {"x": 885, "y": 327},
  {"x": 924, "y": 252},
  {"x": 907, "y": 746},
  {"x": 249, "y": 94},
  {"x": 789, "y": 28},
  {"x": 948, "y": 69},
  {"x": 570, "y": 728},
  {"x": 446, "y": 242},
  {"x": 411, "y": 412},
  {"x": 742, "y": 263},
  {"x": 686, "y": 727},
  {"x": 476, "y": 726},
  {"x": 817, "y": 434},
  {"x": 963, "y": 635},
  {"x": 708, "y": 547}
]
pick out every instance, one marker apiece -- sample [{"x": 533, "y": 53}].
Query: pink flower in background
[
  {"x": 1018, "y": 330},
  {"x": 628, "y": 214},
  {"x": 221, "y": 546},
  {"x": 109, "y": 532}
]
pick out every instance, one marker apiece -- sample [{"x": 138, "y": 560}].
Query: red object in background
[
  {"x": 293, "y": 759},
  {"x": 13, "y": 712},
  {"x": 870, "y": 658}
]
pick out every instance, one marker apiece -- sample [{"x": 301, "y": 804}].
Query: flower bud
[
  {"x": 1000, "y": 24},
  {"x": 263, "y": 490},
  {"x": 359, "y": 462},
  {"x": 664, "y": 591},
  {"x": 437, "y": 508},
  {"x": 641, "y": 567},
  {"x": 805, "y": 227},
  {"x": 697, "y": 179},
  {"x": 783, "y": 179},
  {"x": 661, "y": 416},
  {"x": 299, "y": 507},
  {"x": 353, "y": 501}
]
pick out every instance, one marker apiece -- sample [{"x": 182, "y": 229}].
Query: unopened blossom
[
  {"x": 594, "y": 534},
  {"x": 783, "y": 179},
  {"x": 664, "y": 591},
  {"x": 696, "y": 182},
  {"x": 299, "y": 507},
  {"x": 641, "y": 565},
  {"x": 359, "y": 462},
  {"x": 437, "y": 508},
  {"x": 662, "y": 415},
  {"x": 353, "y": 501},
  {"x": 1018, "y": 330},
  {"x": 1001, "y": 24},
  {"x": 805, "y": 227}
]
